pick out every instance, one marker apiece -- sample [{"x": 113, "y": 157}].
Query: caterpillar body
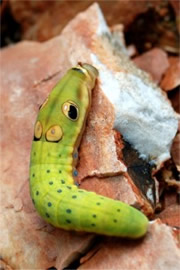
[{"x": 57, "y": 134}]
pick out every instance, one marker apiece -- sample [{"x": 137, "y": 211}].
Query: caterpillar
[{"x": 54, "y": 155}]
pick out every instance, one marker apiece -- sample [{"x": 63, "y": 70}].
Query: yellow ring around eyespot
[
  {"x": 54, "y": 134},
  {"x": 38, "y": 130},
  {"x": 65, "y": 108},
  {"x": 44, "y": 103}
]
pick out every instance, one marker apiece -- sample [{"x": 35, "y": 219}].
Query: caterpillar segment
[{"x": 57, "y": 135}]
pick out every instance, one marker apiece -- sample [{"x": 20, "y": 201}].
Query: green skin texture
[{"x": 55, "y": 196}]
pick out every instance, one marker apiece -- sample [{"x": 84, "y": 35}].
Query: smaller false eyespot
[
  {"x": 38, "y": 130},
  {"x": 71, "y": 111},
  {"x": 54, "y": 134}
]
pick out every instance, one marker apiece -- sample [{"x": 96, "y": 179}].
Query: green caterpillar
[{"x": 57, "y": 134}]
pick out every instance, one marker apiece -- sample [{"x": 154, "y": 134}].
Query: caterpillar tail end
[{"x": 140, "y": 224}]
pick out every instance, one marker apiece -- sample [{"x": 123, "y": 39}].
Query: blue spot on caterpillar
[
  {"x": 75, "y": 173},
  {"x": 54, "y": 191}
]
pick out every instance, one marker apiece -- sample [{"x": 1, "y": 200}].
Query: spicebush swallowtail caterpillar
[{"x": 57, "y": 134}]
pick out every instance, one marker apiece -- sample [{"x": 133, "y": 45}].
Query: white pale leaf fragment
[{"x": 143, "y": 114}]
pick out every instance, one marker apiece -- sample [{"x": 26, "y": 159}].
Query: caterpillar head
[{"x": 63, "y": 114}]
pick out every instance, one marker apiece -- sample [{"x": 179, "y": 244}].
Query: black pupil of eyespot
[{"x": 72, "y": 113}]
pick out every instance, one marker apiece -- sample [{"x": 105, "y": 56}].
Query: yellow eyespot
[
  {"x": 71, "y": 111},
  {"x": 54, "y": 134},
  {"x": 38, "y": 130}
]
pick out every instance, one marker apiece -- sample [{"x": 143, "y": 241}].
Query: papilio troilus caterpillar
[{"x": 57, "y": 134}]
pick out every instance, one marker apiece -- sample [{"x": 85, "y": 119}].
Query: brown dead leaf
[
  {"x": 175, "y": 5},
  {"x": 171, "y": 215},
  {"x": 40, "y": 20},
  {"x": 151, "y": 252},
  {"x": 175, "y": 150},
  {"x": 170, "y": 197},
  {"x": 155, "y": 62},
  {"x": 172, "y": 76},
  {"x": 4, "y": 266}
]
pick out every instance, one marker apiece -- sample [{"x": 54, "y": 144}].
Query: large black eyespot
[{"x": 71, "y": 111}]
